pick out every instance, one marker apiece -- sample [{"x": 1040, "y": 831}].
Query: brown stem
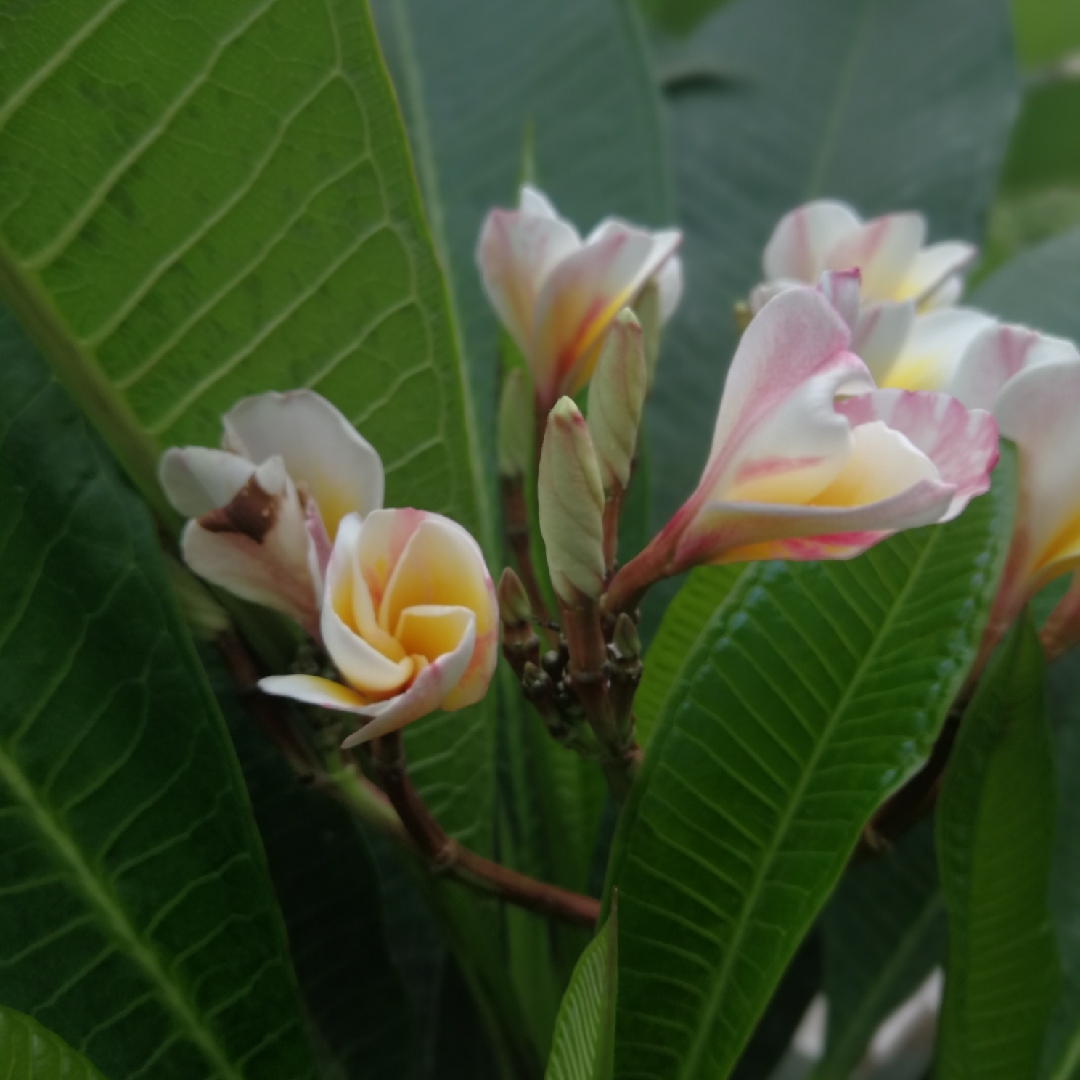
[
  {"x": 447, "y": 856},
  {"x": 612, "y": 510},
  {"x": 516, "y": 531}
]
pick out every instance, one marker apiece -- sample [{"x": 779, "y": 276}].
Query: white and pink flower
[
  {"x": 409, "y": 619},
  {"x": 809, "y": 459},
  {"x": 557, "y": 294},
  {"x": 265, "y": 509}
]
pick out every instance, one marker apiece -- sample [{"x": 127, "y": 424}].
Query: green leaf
[
  {"x": 581, "y": 1047},
  {"x": 1037, "y": 287},
  {"x": 995, "y": 828},
  {"x": 884, "y": 931},
  {"x": 136, "y": 915},
  {"x": 678, "y": 16},
  {"x": 473, "y": 79},
  {"x": 328, "y": 888},
  {"x": 1046, "y": 30},
  {"x": 813, "y": 692},
  {"x": 32, "y": 1052},
  {"x": 892, "y": 106},
  {"x": 1061, "y": 1052}
]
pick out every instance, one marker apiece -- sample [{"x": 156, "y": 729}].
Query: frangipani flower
[
  {"x": 556, "y": 294},
  {"x": 901, "y": 278},
  {"x": 809, "y": 460},
  {"x": 265, "y": 509},
  {"x": 409, "y": 619}
]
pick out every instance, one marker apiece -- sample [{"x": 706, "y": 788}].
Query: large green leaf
[
  {"x": 773, "y": 102},
  {"x": 136, "y": 915},
  {"x": 198, "y": 207},
  {"x": 995, "y": 830},
  {"x": 1061, "y": 1053},
  {"x": 812, "y": 693},
  {"x": 884, "y": 930},
  {"x": 581, "y": 1047},
  {"x": 32, "y": 1052},
  {"x": 1046, "y": 30}
]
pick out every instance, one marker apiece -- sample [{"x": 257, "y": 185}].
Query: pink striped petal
[
  {"x": 802, "y": 238},
  {"x": 962, "y": 444},
  {"x": 842, "y": 289},
  {"x": 996, "y": 355},
  {"x": 883, "y": 250}
]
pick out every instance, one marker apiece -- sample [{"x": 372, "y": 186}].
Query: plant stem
[
  {"x": 516, "y": 530},
  {"x": 446, "y": 856}
]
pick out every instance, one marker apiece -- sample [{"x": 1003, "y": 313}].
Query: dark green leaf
[
  {"x": 812, "y": 693},
  {"x": 884, "y": 931},
  {"x": 678, "y": 16},
  {"x": 136, "y": 914},
  {"x": 995, "y": 828},
  {"x": 581, "y": 1046},
  {"x": 892, "y": 106},
  {"x": 32, "y": 1052}
]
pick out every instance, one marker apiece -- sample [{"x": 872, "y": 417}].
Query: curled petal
[
  {"x": 313, "y": 690},
  {"x": 962, "y": 443},
  {"x": 802, "y": 238},
  {"x": 197, "y": 480},
  {"x": 516, "y": 252},
  {"x": 934, "y": 348},
  {"x": 998, "y": 353},
  {"x": 323, "y": 453},
  {"x": 669, "y": 284},
  {"x": 582, "y": 295},
  {"x": 934, "y": 277},
  {"x": 883, "y": 250},
  {"x": 761, "y": 294}
]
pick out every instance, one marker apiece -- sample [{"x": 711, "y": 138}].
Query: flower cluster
[{"x": 860, "y": 401}]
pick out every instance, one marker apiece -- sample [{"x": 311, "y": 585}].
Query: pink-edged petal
[
  {"x": 797, "y": 248},
  {"x": 319, "y": 546},
  {"x": 516, "y": 252},
  {"x": 842, "y": 289},
  {"x": 934, "y": 348},
  {"x": 322, "y": 451},
  {"x": 761, "y": 294},
  {"x": 197, "y": 480},
  {"x": 998, "y": 353},
  {"x": 429, "y": 691},
  {"x": 257, "y": 548},
  {"x": 932, "y": 271},
  {"x": 962, "y": 443},
  {"x": 440, "y": 564},
  {"x": 884, "y": 250},
  {"x": 669, "y": 285},
  {"x": 313, "y": 690},
  {"x": 744, "y": 532},
  {"x": 796, "y": 337},
  {"x": 582, "y": 295},
  {"x": 880, "y": 333},
  {"x": 1039, "y": 409}
]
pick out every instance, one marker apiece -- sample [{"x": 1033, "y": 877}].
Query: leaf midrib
[
  {"x": 704, "y": 1028},
  {"x": 100, "y": 897}
]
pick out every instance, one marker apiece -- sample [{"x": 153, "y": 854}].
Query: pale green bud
[{"x": 515, "y": 425}]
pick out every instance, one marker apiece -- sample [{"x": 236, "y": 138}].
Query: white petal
[
  {"x": 934, "y": 348},
  {"x": 797, "y": 248},
  {"x": 842, "y": 289},
  {"x": 197, "y": 480},
  {"x": 322, "y": 451},
  {"x": 313, "y": 690},
  {"x": 933, "y": 270},
  {"x": 880, "y": 334},
  {"x": 883, "y": 250},
  {"x": 669, "y": 283},
  {"x": 763, "y": 293}
]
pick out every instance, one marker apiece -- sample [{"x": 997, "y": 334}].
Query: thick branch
[{"x": 447, "y": 856}]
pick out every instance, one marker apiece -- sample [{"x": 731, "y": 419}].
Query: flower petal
[
  {"x": 322, "y": 451},
  {"x": 883, "y": 250},
  {"x": 997, "y": 354},
  {"x": 962, "y": 443},
  {"x": 880, "y": 333},
  {"x": 197, "y": 480},
  {"x": 1039, "y": 409},
  {"x": 516, "y": 252},
  {"x": 797, "y": 248},
  {"x": 797, "y": 337},
  {"x": 669, "y": 283},
  {"x": 313, "y": 690},
  {"x": 934, "y": 348},
  {"x": 929, "y": 278},
  {"x": 842, "y": 288},
  {"x": 431, "y": 689},
  {"x": 582, "y": 295}
]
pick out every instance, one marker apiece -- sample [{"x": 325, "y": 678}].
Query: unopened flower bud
[
  {"x": 571, "y": 498},
  {"x": 647, "y": 310},
  {"x": 625, "y": 639},
  {"x": 616, "y": 398},
  {"x": 514, "y": 606},
  {"x": 515, "y": 425}
]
